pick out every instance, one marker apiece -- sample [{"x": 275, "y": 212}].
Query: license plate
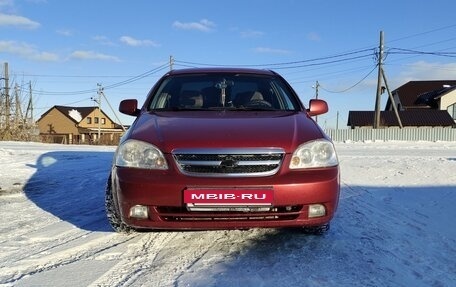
[{"x": 227, "y": 197}]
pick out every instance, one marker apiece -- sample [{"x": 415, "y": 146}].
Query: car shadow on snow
[
  {"x": 71, "y": 186},
  {"x": 380, "y": 236}
]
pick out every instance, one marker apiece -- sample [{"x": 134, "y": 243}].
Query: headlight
[
  {"x": 138, "y": 154},
  {"x": 319, "y": 153}
]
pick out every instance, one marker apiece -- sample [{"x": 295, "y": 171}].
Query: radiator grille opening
[{"x": 233, "y": 162}]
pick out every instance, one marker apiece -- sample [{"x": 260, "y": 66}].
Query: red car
[{"x": 223, "y": 148}]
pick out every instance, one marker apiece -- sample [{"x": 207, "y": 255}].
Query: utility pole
[
  {"x": 317, "y": 86},
  {"x": 7, "y": 100},
  {"x": 379, "y": 84},
  {"x": 2, "y": 112},
  {"x": 393, "y": 102},
  {"x": 381, "y": 75},
  {"x": 171, "y": 62},
  {"x": 29, "y": 107},
  {"x": 100, "y": 91},
  {"x": 18, "y": 110},
  {"x": 106, "y": 99}
]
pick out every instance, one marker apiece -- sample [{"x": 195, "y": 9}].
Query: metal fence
[{"x": 393, "y": 134}]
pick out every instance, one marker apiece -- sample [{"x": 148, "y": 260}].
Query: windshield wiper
[
  {"x": 254, "y": 109},
  {"x": 184, "y": 109},
  {"x": 172, "y": 109}
]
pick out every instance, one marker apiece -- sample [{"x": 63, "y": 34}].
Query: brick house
[{"x": 74, "y": 125}]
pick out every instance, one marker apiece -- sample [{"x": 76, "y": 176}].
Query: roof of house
[
  {"x": 84, "y": 111},
  {"x": 430, "y": 99},
  {"x": 68, "y": 111},
  {"x": 414, "y": 118},
  {"x": 411, "y": 93}
]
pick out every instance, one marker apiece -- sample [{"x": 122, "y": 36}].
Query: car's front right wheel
[{"x": 112, "y": 212}]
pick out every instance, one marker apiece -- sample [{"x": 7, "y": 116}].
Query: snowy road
[{"x": 394, "y": 227}]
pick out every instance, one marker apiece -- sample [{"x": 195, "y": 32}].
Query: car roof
[{"x": 215, "y": 70}]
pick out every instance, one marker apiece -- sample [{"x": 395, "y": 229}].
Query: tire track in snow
[
  {"x": 29, "y": 213},
  {"x": 140, "y": 256},
  {"x": 74, "y": 250},
  {"x": 51, "y": 235},
  {"x": 160, "y": 259}
]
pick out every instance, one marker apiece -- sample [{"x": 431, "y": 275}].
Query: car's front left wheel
[{"x": 112, "y": 212}]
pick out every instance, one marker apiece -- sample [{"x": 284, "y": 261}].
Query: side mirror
[
  {"x": 129, "y": 107},
  {"x": 317, "y": 107}
]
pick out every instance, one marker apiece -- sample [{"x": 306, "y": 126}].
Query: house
[
  {"x": 409, "y": 118},
  {"x": 62, "y": 124},
  {"x": 438, "y": 95},
  {"x": 419, "y": 104}
]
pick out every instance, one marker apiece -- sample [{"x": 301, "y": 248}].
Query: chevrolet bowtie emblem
[{"x": 228, "y": 162}]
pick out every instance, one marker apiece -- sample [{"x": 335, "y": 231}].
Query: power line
[
  {"x": 351, "y": 87},
  {"x": 424, "y": 33},
  {"x": 415, "y": 52},
  {"x": 139, "y": 77},
  {"x": 115, "y": 85},
  {"x": 306, "y": 63},
  {"x": 293, "y": 64},
  {"x": 66, "y": 104}
]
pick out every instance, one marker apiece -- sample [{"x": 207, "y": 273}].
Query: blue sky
[{"x": 66, "y": 47}]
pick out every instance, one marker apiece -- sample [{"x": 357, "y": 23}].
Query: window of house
[
  {"x": 452, "y": 111},
  {"x": 89, "y": 120},
  {"x": 103, "y": 121},
  {"x": 96, "y": 119}
]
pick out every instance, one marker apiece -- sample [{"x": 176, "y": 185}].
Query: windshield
[{"x": 223, "y": 91}]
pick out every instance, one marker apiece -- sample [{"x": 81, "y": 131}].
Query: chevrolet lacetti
[{"x": 223, "y": 148}]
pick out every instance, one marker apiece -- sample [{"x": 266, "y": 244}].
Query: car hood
[{"x": 226, "y": 129}]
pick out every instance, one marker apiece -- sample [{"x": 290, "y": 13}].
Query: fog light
[
  {"x": 317, "y": 210},
  {"x": 139, "y": 211}
]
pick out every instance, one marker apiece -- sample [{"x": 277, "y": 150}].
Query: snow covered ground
[{"x": 395, "y": 226}]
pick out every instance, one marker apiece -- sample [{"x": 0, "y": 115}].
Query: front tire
[{"x": 112, "y": 212}]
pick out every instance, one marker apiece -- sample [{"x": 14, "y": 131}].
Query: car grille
[
  {"x": 229, "y": 162},
  {"x": 275, "y": 213}
]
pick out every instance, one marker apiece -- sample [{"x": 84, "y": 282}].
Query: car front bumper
[{"x": 162, "y": 192}]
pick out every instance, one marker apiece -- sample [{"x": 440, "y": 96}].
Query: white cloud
[
  {"x": 6, "y": 3},
  {"x": 65, "y": 32},
  {"x": 103, "y": 40},
  {"x": 17, "y": 21},
  {"x": 422, "y": 71},
  {"x": 27, "y": 51},
  {"x": 90, "y": 55},
  {"x": 314, "y": 37},
  {"x": 203, "y": 25},
  {"x": 130, "y": 41},
  {"x": 251, "y": 34},
  {"x": 46, "y": 56},
  {"x": 271, "y": 50}
]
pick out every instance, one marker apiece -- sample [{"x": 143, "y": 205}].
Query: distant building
[
  {"x": 437, "y": 95},
  {"x": 419, "y": 103},
  {"x": 72, "y": 125}
]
